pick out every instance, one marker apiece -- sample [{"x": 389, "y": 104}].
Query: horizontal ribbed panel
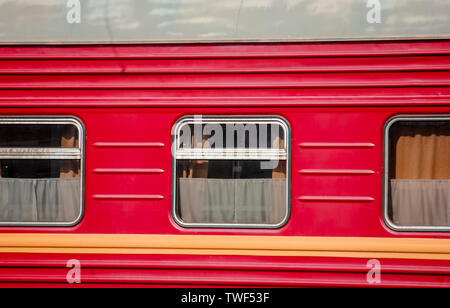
[
  {"x": 319, "y": 73},
  {"x": 256, "y": 65},
  {"x": 287, "y": 80}
]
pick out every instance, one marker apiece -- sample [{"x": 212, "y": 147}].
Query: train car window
[
  {"x": 231, "y": 172},
  {"x": 41, "y": 167},
  {"x": 418, "y": 174}
]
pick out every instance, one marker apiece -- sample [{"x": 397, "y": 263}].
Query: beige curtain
[
  {"x": 420, "y": 176},
  {"x": 39, "y": 200},
  {"x": 245, "y": 201}
]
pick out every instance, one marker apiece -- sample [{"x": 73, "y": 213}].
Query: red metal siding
[{"x": 336, "y": 97}]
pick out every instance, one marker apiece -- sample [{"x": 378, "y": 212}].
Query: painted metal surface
[{"x": 336, "y": 97}]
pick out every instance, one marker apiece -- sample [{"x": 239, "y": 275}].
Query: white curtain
[
  {"x": 241, "y": 201},
  {"x": 421, "y": 202},
  {"x": 39, "y": 200}
]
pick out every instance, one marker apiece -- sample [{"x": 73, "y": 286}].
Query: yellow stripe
[{"x": 351, "y": 247}]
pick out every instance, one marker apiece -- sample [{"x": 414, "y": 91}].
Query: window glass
[
  {"x": 127, "y": 21},
  {"x": 231, "y": 172},
  {"x": 44, "y": 135},
  {"x": 40, "y": 171},
  {"x": 419, "y": 173}
]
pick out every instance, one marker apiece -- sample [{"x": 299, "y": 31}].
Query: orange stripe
[{"x": 352, "y": 247}]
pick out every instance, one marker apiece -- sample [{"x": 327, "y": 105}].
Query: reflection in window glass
[
  {"x": 231, "y": 172},
  {"x": 162, "y": 21}
]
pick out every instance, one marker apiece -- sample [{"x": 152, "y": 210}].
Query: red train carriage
[{"x": 216, "y": 160}]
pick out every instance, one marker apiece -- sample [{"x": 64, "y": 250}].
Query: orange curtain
[
  {"x": 279, "y": 172},
  {"x": 422, "y": 153},
  {"x": 195, "y": 169},
  {"x": 69, "y": 168}
]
